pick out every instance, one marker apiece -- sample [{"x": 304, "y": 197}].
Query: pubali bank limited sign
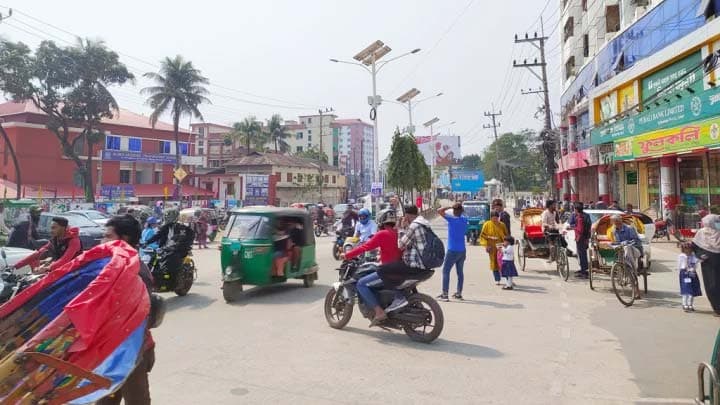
[{"x": 679, "y": 139}]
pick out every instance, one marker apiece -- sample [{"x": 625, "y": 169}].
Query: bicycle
[{"x": 624, "y": 280}]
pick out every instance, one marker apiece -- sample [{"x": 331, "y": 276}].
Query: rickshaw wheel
[
  {"x": 591, "y": 278},
  {"x": 337, "y": 311},
  {"x": 231, "y": 289},
  {"x": 563, "y": 264},
  {"x": 624, "y": 284}
]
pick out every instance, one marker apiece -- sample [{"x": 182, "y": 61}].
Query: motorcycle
[
  {"x": 422, "y": 319},
  {"x": 320, "y": 228},
  {"x": 341, "y": 234},
  {"x": 162, "y": 280},
  {"x": 12, "y": 283},
  {"x": 661, "y": 229}
]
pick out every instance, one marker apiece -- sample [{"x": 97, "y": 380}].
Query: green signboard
[
  {"x": 679, "y": 139},
  {"x": 690, "y": 108},
  {"x": 689, "y": 69}
]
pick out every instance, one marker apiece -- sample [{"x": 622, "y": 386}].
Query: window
[
  {"x": 612, "y": 18},
  {"x": 309, "y": 138},
  {"x": 112, "y": 142},
  {"x": 586, "y": 45},
  {"x": 326, "y": 179},
  {"x": 298, "y": 149},
  {"x": 333, "y": 180},
  {"x": 184, "y": 148},
  {"x": 309, "y": 120},
  {"x": 299, "y": 178},
  {"x": 201, "y": 131},
  {"x": 230, "y": 189},
  {"x": 201, "y": 143},
  {"x": 135, "y": 144},
  {"x": 278, "y": 176},
  {"x": 299, "y": 135},
  {"x": 569, "y": 29},
  {"x": 158, "y": 178},
  {"x": 201, "y": 151},
  {"x": 570, "y": 67},
  {"x": 214, "y": 163},
  {"x": 309, "y": 131},
  {"x": 125, "y": 176},
  {"x": 208, "y": 186},
  {"x": 584, "y": 5},
  {"x": 165, "y": 147}
]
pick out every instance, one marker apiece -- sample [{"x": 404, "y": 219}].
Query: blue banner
[
  {"x": 117, "y": 192},
  {"x": 467, "y": 181},
  {"x": 125, "y": 156}
]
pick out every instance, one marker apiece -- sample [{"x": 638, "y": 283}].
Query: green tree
[
  {"x": 70, "y": 85},
  {"x": 179, "y": 90},
  {"x": 521, "y": 161},
  {"x": 249, "y": 132},
  {"x": 471, "y": 162},
  {"x": 407, "y": 170},
  {"x": 313, "y": 153},
  {"x": 277, "y": 133}
]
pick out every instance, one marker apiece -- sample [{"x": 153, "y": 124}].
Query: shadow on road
[
  {"x": 190, "y": 301},
  {"x": 399, "y": 339},
  {"x": 530, "y": 289},
  {"x": 497, "y": 305},
  {"x": 283, "y": 293}
]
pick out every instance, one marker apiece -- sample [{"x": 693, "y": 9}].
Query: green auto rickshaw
[
  {"x": 259, "y": 240},
  {"x": 477, "y": 213}
]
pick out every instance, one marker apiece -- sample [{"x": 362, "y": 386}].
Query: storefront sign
[
  {"x": 679, "y": 139},
  {"x": 577, "y": 160},
  {"x": 125, "y": 156},
  {"x": 117, "y": 192},
  {"x": 689, "y": 108},
  {"x": 659, "y": 80}
]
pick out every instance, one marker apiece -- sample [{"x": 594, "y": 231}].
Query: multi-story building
[
  {"x": 355, "y": 147},
  {"x": 135, "y": 160},
  {"x": 210, "y": 144},
  {"x": 640, "y": 111},
  {"x": 306, "y": 135}
]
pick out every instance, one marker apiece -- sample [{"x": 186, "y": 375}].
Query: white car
[{"x": 597, "y": 214}]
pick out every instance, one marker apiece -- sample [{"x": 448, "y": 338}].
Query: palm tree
[
  {"x": 277, "y": 133},
  {"x": 179, "y": 90},
  {"x": 249, "y": 132}
]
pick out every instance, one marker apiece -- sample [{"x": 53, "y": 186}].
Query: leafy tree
[
  {"x": 313, "y": 153},
  {"x": 471, "y": 162},
  {"x": 249, "y": 132},
  {"x": 70, "y": 85},
  {"x": 277, "y": 133},
  {"x": 179, "y": 90},
  {"x": 521, "y": 161},
  {"x": 407, "y": 170}
]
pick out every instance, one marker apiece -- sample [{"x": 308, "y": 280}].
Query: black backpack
[{"x": 433, "y": 255}]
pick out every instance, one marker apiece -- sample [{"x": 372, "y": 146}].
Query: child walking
[
  {"x": 689, "y": 282},
  {"x": 508, "y": 269}
]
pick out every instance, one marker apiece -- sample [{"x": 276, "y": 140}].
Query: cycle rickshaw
[
  {"x": 606, "y": 259},
  {"x": 535, "y": 243}
]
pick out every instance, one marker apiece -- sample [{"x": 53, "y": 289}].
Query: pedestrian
[
  {"x": 201, "y": 229},
  {"x": 498, "y": 206},
  {"x": 492, "y": 234},
  {"x": 706, "y": 245},
  {"x": 582, "y": 223},
  {"x": 508, "y": 269},
  {"x": 689, "y": 281},
  {"x": 629, "y": 209},
  {"x": 455, "y": 255}
]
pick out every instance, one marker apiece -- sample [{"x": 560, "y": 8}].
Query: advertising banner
[
  {"x": 657, "y": 81},
  {"x": 257, "y": 189},
  {"x": 577, "y": 160},
  {"x": 445, "y": 149},
  {"x": 678, "y": 139},
  {"x": 690, "y": 108},
  {"x": 125, "y": 156},
  {"x": 467, "y": 181},
  {"x": 117, "y": 192}
]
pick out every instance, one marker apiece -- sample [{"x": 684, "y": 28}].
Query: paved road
[{"x": 548, "y": 342}]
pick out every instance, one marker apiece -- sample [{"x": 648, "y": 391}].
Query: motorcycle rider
[
  {"x": 136, "y": 388},
  {"x": 365, "y": 227},
  {"x": 25, "y": 233},
  {"x": 64, "y": 245},
  {"x": 387, "y": 240},
  {"x": 175, "y": 240},
  {"x": 149, "y": 231},
  {"x": 349, "y": 221}
]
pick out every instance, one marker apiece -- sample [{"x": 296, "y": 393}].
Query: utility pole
[
  {"x": 548, "y": 143},
  {"x": 320, "y": 155},
  {"x": 495, "y": 125}
]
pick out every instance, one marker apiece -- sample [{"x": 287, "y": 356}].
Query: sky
[{"x": 272, "y": 56}]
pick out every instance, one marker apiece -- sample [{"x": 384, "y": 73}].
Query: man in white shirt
[{"x": 551, "y": 226}]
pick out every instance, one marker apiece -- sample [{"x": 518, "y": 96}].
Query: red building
[{"x": 134, "y": 157}]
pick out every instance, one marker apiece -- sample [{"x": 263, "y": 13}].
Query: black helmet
[{"x": 387, "y": 216}]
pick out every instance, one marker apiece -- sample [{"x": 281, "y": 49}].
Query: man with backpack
[
  {"x": 582, "y": 225},
  {"x": 421, "y": 250}
]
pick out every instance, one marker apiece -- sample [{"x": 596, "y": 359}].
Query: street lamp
[
  {"x": 367, "y": 59},
  {"x": 406, "y": 101}
]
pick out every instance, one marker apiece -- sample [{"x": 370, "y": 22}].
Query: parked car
[
  {"x": 595, "y": 215},
  {"x": 93, "y": 215},
  {"x": 91, "y": 234}
]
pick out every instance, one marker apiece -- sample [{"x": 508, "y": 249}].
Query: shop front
[
  {"x": 583, "y": 174},
  {"x": 673, "y": 171}
]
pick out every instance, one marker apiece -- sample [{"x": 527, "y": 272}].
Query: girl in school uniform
[
  {"x": 508, "y": 269},
  {"x": 689, "y": 282}
]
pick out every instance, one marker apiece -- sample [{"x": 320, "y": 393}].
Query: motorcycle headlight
[{"x": 228, "y": 270}]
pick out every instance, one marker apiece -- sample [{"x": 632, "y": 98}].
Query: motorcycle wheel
[
  {"x": 187, "y": 276},
  {"x": 336, "y": 251},
  {"x": 337, "y": 311},
  {"x": 435, "y": 319},
  {"x": 317, "y": 231},
  {"x": 231, "y": 289}
]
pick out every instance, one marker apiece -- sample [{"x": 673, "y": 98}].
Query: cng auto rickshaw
[
  {"x": 477, "y": 213},
  {"x": 250, "y": 248}
]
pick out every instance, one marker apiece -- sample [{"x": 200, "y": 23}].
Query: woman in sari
[
  {"x": 492, "y": 234},
  {"x": 706, "y": 245}
]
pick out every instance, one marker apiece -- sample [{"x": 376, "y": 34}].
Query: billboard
[
  {"x": 257, "y": 189},
  {"x": 445, "y": 149},
  {"x": 467, "y": 181}
]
